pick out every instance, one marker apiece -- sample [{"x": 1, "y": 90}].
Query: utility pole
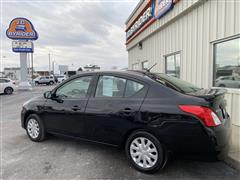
[
  {"x": 49, "y": 59},
  {"x": 32, "y": 64},
  {"x": 53, "y": 66}
]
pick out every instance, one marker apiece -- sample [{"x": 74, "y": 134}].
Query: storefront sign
[
  {"x": 21, "y": 29},
  {"x": 22, "y": 46},
  {"x": 145, "y": 17},
  {"x": 161, "y": 7}
]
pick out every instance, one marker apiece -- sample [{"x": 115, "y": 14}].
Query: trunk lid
[{"x": 216, "y": 100}]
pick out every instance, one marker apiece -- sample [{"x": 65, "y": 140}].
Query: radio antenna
[{"x": 149, "y": 69}]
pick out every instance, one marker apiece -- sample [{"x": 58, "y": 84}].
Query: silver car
[
  {"x": 48, "y": 80},
  {"x": 228, "y": 81}
]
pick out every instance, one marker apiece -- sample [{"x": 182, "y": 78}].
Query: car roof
[
  {"x": 123, "y": 72},
  {"x": 140, "y": 75}
]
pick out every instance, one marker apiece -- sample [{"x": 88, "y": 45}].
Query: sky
[{"x": 75, "y": 33}]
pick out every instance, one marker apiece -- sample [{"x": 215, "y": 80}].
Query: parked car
[
  {"x": 48, "y": 80},
  {"x": 7, "y": 86},
  {"x": 228, "y": 81},
  {"x": 151, "y": 115},
  {"x": 60, "y": 78}
]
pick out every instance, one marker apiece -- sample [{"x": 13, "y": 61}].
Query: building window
[
  {"x": 144, "y": 65},
  {"x": 172, "y": 65},
  {"x": 135, "y": 66},
  {"x": 227, "y": 63}
]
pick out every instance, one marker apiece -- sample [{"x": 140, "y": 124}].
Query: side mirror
[{"x": 47, "y": 95}]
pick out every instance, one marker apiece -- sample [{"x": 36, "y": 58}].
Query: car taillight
[{"x": 208, "y": 117}]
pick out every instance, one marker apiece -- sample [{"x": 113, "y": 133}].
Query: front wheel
[
  {"x": 35, "y": 128},
  {"x": 145, "y": 152},
  {"x": 8, "y": 90}
]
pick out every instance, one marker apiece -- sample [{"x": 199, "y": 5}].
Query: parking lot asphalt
[{"x": 63, "y": 158}]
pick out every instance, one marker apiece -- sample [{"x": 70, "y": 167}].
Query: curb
[{"x": 232, "y": 162}]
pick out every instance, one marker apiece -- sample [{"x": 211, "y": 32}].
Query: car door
[
  {"x": 41, "y": 80},
  {"x": 113, "y": 107},
  {"x": 64, "y": 112}
]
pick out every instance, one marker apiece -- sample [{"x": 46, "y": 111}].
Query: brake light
[{"x": 208, "y": 117}]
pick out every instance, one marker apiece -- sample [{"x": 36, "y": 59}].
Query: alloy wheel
[{"x": 33, "y": 128}]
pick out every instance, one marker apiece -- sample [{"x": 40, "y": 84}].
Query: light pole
[
  {"x": 53, "y": 66},
  {"x": 49, "y": 62}
]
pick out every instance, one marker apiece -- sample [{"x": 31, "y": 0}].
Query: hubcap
[
  {"x": 33, "y": 128},
  {"x": 143, "y": 152}
]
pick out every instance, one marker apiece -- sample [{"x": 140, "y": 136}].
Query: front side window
[
  {"x": 76, "y": 88},
  {"x": 110, "y": 86},
  {"x": 227, "y": 64},
  {"x": 172, "y": 65}
]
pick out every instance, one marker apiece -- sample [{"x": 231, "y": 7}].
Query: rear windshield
[{"x": 175, "y": 83}]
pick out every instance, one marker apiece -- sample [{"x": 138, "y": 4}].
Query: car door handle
[
  {"x": 127, "y": 110},
  {"x": 76, "y": 108}
]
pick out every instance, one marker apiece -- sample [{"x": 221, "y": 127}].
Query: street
[{"x": 65, "y": 158}]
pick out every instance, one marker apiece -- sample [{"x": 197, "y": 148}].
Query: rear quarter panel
[{"x": 161, "y": 116}]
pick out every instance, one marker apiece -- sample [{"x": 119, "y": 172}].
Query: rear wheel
[
  {"x": 145, "y": 152},
  {"x": 35, "y": 128},
  {"x": 8, "y": 90}
]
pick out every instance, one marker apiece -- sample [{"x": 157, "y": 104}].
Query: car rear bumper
[
  {"x": 197, "y": 141},
  {"x": 222, "y": 136}
]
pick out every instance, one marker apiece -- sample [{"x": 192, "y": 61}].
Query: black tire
[
  {"x": 37, "y": 83},
  {"x": 161, "y": 154},
  {"x": 42, "y": 132},
  {"x": 51, "y": 83},
  {"x": 8, "y": 90},
  {"x": 222, "y": 85}
]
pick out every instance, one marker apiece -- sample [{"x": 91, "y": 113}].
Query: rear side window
[
  {"x": 110, "y": 86},
  {"x": 132, "y": 88}
]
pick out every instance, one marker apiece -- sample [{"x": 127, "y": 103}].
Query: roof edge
[{"x": 134, "y": 11}]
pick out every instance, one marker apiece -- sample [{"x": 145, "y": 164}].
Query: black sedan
[{"x": 150, "y": 115}]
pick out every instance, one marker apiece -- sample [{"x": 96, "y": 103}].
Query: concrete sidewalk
[{"x": 233, "y": 158}]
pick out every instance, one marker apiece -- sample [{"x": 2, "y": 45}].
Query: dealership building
[{"x": 194, "y": 40}]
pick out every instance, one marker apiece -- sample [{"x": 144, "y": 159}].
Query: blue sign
[
  {"x": 161, "y": 7},
  {"x": 26, "y": 50}
]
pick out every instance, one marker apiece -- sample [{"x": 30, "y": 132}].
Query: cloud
[{"x": 77, "y": 33}]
